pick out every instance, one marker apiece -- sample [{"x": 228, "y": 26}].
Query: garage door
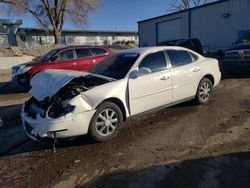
[{"x": 169, "y": 30}]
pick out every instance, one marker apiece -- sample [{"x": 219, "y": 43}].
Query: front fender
[{"x": 116, "y": 89}]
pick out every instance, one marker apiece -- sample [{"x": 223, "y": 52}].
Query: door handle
[
  {"x": 74, "y": 63},
  {"x": 196, "y": 70},
  {"x": 164, "y": 78}
]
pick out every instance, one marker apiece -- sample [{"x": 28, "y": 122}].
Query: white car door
[
  {"x": 152, "y": 90},
  {"x": 186, "y": 74}
]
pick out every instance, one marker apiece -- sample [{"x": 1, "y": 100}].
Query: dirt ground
[
  {"x": 5, "y": 52},
  {"x": 182, "y": 146}
]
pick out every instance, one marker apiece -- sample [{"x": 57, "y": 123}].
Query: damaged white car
[{"x": 131, "y": 82}]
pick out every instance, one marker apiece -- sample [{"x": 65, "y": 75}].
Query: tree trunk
[{"x": 57, "y": 35}]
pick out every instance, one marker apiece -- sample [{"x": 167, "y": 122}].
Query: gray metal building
[
  {"x": 216, "y": 24},
  {"x": 7, "y": 32},
  {"x": 36, "y": 37}
]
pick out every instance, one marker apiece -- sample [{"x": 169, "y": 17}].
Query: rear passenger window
[
  {"x": 179, "y": 57},
  {"x": 98, "y": 51},
  {"x": 194, "y": 57},
  {"x": 83, "y": 52},
  {"x": 155, "y": 62}
]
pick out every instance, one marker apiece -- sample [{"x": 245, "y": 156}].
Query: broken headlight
[
  {"x": 58, "y": 110},
  {"x": 22, "y": 70}
]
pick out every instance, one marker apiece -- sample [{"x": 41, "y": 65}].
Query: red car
[{"x": 80, "y": 58}]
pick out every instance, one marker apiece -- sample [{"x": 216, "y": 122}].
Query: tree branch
[
  {"x": 49, "y": 13},
  {"x": 62, "y": 13},
  {"x": 177, "y": 5},
  {"x": 28, "y": 10},
  {"x": 52, "y": 14}
]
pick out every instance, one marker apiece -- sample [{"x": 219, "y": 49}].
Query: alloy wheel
[
  {"x": 205, "y": 91},
  {"x": 106, "y": 122}
]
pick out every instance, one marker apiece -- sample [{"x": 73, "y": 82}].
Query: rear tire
[
  {"x": 106, "y": 122},
  {"x": 204, "y": 91}
]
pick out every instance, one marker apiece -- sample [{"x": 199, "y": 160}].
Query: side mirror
[
  {"x": 54, "y": 58},
  {"x": 141, "y": 72}
]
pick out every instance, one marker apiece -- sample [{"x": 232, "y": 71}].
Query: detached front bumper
[{"x": 70, "y": 125}]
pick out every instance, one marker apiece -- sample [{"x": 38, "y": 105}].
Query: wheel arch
[
  {"x": 210, "y": 77},
  {"x": 119, "y": 103}
]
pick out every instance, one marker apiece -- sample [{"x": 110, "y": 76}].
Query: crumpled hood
[
  {"x": 48, "y": 82},
  {"x": 31, "y": 63}
]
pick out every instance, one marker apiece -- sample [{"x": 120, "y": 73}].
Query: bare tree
[
  {"x": 177, "y": 5},
  {"x": 52, "y": 14}
]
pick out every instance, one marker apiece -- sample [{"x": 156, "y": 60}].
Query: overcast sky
[{"x": 114, "y": 14}]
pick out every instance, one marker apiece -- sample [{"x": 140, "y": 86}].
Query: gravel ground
[
  {"x": 181, "y": 146},
  {"x": 8, "y": 62}
]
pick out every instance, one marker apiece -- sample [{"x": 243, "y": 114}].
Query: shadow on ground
[
  {"x": 29, "y": 145},
  {"x": 9, "y": 88},
  {"x": 235, "y": 74},
  {"x": 229, "y": 171},
  {"x": 10, "y": 116}
]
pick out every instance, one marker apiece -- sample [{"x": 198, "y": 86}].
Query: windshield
[
  {"x": 47, "y": 56},
  {"x": 245, "y": 38},
  {"x": 115, "y": 66}
]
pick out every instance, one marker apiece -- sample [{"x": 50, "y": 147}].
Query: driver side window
[
  {"x": 155, "y": 62},
  {"x": 66, "y": 55}
]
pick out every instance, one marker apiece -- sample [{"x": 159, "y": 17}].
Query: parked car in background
[
  {"x": 80, "y": 58},
  {"x": 125, "y": 84},
  {"x": 192, "y": 44},
  {"x": 238, "y": 56}
]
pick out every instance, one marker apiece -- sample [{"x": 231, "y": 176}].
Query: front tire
[
  {"x": 106, "y": 122},
  {"x": 204, "y": 91}
]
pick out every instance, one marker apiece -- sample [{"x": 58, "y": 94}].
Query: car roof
[
  {"x": 79, "y": 46},
  {"x": 145, "y": 50}
]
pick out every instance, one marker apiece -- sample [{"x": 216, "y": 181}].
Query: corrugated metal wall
[
  {"x": 209, "y": 23},
  {"x": 216, "y": 31},
  {"x": 148, "y": 30}
]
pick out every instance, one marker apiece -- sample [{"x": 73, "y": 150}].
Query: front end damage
[
  {"x": 20, "y": 75},
  {"x": 40, "y": 122},
  {"x": 66, "y": 113}
]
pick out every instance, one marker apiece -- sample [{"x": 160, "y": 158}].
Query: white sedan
[{"x": 127, "y": 83}]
